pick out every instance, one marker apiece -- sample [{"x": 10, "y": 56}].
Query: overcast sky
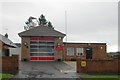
[{"x": 86, "y": 21}]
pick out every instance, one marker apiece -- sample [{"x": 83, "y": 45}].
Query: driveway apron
[{"x": 46, "y": 69}]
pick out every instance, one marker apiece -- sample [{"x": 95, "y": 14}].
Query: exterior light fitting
[{"x": 89, "y": 44}]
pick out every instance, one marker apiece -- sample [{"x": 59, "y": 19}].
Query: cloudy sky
[{"x": 87, "y": 21}]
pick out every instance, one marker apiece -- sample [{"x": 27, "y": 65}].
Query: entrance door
[{"x": 88, "y": 53}]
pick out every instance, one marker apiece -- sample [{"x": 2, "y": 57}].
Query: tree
[
  {"x": 33, "y": 22},
  {"x": 50, "y": 24},
  {"x": 29, "y": 23},
  {"x": 31, "y": 18},
  {"x": 42, "y": 20}
]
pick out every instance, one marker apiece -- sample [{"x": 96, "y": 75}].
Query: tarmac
[{"x": 46, "y": 69}]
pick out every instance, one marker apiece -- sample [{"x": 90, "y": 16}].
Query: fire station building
[{"x": 43, "y": 43}]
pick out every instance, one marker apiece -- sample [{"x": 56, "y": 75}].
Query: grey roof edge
[
  {"x": 60, "y": 32},
  {"x": 7, "y": 41},
  {"x": 85, "y": 43},
  {"x": 21, "y": 33}
]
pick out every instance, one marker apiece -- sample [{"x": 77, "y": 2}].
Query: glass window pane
[
  {"x": 41, "y": 48},
  {"x": 79, "y": 51},
  {"x": 33, "y": 50},
  {"x": 33, "y": 42},
  {"x": 34, "y": 46},
  {"x": 33, "y": 54},
  {"x": 70, "y": 51}
]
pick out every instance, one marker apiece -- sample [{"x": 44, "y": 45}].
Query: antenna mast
[{"x": 66, "y": 24}]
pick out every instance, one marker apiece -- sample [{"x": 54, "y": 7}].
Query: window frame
[
  {"x": 69, "y": 54},
  {"x": 77, "y": 51}
]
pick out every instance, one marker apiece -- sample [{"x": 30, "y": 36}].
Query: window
[
  {"x": 42, "y": 54},
  {"x": 79, "y": 51},
  {"x": 70, "y": 51}
]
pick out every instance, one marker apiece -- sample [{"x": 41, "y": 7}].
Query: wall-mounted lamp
[
  {"x": 26, "y": 44},
  {"x": 60, "y": 38},
  {"x": 101, "y": 47},
  {"x": 89, "y": 44}
]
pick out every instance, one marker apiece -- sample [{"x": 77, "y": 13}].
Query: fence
[{"x": 9, "y": 64}]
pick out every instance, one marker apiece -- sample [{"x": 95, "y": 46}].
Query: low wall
[
  {"x": 98, "y": 66},
  {"x": 10, "y": 64}
]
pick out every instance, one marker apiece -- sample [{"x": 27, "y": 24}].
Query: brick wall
[
  {"x": 58, "y": 54},
  {"x": 99, "y": 66},
  {"x": 9, "y": 64},
  {"x": 1, "y": 47},
  {"x": 98, "y": 50},
  {"x": 25, "y": 49}
]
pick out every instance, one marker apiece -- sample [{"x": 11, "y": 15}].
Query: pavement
[{"x": 46, "y": 69}]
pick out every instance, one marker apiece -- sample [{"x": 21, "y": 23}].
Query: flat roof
[{"x": 82, "y": 43}]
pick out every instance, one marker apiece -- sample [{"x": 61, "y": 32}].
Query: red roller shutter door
[
  {"x": 42, "y": 58},
  {"x": 45, "y": 57}
]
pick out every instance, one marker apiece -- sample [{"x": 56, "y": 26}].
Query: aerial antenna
[
  {"x": 66, "y": 24},
  {"x": 66, "y": 27}
]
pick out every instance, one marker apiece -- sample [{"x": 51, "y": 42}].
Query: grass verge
[
  {"x": 4, "y": 76},
  {"x": 101, "y": 77}
]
